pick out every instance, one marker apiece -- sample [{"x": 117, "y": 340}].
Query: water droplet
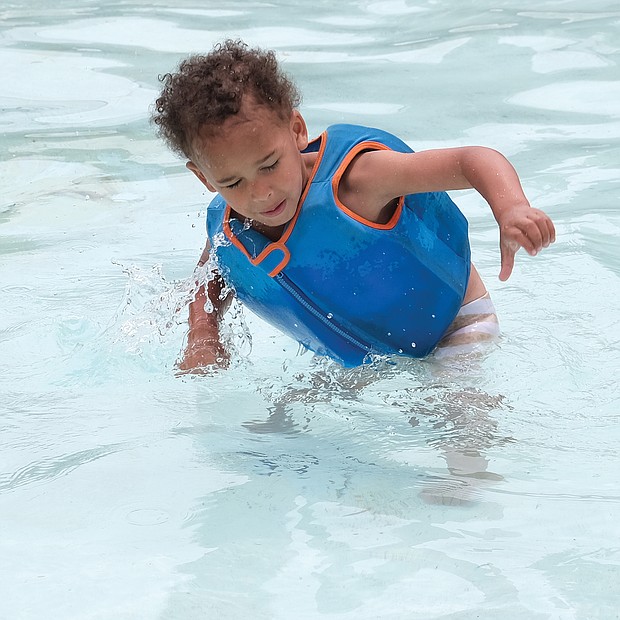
[
  {"x": 330, "y": 315},
  {"x": 432, "y": 316},
  {"x": 400, "y": 350},
  {"x": 413, "y": 344}
]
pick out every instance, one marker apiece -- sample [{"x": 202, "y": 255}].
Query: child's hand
[
  {"x": 203, "y": 351},
  {"x": 522, "y": 227}
]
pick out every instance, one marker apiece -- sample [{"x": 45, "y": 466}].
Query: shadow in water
[{"x": 449, "y": 416}]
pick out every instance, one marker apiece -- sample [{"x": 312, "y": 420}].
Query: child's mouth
[{"x": 276, "y": 210}]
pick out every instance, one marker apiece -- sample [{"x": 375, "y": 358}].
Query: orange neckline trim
[{"x": 280, "y": 244}]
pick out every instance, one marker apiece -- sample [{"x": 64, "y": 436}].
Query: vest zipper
[{"x": 289, "y": 286}]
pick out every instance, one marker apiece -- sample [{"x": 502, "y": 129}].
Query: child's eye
[
  {"x": 270, "y": 168},
  {"x": 233, "y": 185}
]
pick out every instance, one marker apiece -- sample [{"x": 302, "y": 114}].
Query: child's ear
[
  {"x": 299, "y": 130},
  {"x": 190, "y": 165}
]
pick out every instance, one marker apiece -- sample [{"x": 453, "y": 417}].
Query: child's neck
[{"x": 273, "y": 233}]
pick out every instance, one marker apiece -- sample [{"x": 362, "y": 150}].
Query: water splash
[
  {"x": 151, "y": 309},
  {"x": 153, "y": 312}
]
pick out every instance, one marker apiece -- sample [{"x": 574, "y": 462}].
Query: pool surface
[{"x": 285, "y": 487}]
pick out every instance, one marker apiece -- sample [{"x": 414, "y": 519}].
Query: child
[{"x": 348, "y": 243}]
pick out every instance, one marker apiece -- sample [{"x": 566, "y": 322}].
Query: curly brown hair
[{"x": 206, "y": 90}]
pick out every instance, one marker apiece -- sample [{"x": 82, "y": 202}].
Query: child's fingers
[
  {"x": 536, "y": 236},
  {"x": 508, "y": 249},
  {"x": 525, "y": 235},
  {"x": 534, "y": 233},
  {"x": 550, "y": 231},
  {"x": 545, "y": 228}
]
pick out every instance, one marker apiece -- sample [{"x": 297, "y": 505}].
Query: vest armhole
[{"x": 346, "y": 162}]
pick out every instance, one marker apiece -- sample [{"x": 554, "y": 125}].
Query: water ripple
[{"x": 48, "y": 469}]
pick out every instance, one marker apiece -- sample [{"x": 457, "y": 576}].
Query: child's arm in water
[
  {"x": 376, "y": 178},
  {"x": 204, "y": 347}
]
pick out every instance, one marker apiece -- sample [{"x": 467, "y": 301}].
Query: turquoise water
[{"x": 286, "y": 487}]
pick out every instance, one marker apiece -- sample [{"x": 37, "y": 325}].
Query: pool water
[{"x": 286, "y": 487}]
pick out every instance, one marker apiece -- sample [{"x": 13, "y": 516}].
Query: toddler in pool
[{"x": 348, "y": 243}]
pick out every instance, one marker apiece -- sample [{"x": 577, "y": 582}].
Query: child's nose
[{"x": 261, "y": 190}]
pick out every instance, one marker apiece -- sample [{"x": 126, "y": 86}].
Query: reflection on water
[
  {"x": 457, "y": 422},
  {"x": 286, "y": 486}
]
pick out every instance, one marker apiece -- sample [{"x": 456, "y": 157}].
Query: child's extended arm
[
  {"x": 204, "y": 347},
  {"x": 520, "y": 225},
  {"x": 377, "y": 177}
]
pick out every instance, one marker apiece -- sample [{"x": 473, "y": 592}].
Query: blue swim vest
[{"x": 342, "y": 286}]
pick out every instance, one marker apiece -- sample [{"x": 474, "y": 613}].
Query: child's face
[{"x": 254, "y": 163}]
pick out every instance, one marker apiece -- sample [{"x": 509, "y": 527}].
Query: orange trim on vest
[
  {"x": 274, "y": 247},
  {"x": 229, "y": 233},
  {"x": 354, "y": 152},
  {"x": 317, "y": 163},
  {"x": 280, "y": 244}
]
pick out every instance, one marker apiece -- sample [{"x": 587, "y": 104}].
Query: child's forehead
[
  {"x": 250, "y": 113},
  {"x": 240, "y": 139},
  {"x": 259, "y": 121}
]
